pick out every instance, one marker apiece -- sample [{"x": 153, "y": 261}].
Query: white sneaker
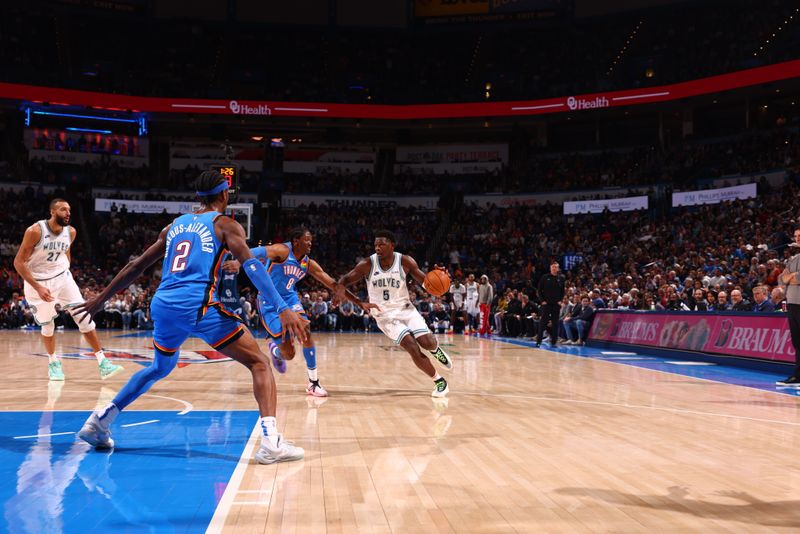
[
  {"x": 93, "y": 433},
  {"x": 285, "y": 452},
  {"x": 313, "y": 388},
  {"x": 441, "y": 389},
  {"x": 443, "y": 358}
]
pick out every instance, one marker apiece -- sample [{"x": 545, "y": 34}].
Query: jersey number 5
[
  {"x": 181, "y": 251},
  {"x": 385, "y": 294}
]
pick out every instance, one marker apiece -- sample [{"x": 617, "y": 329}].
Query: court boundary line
[{"x": 226, "y": 502}]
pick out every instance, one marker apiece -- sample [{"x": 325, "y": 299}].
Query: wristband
[{"x": 258, "y": 275}]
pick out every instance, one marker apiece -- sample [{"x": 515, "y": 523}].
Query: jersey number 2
[{"x": 181, "y": 251}]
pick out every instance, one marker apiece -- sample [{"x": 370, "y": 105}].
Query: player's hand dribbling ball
[{"x": 437, "y": 282}]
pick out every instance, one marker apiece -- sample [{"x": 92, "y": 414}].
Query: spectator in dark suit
[{"x": 762, "y": 303}]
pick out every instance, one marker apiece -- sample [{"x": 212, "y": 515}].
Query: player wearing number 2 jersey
[
  {"x": 288, "y": 263},
  {"x": 386, "y": 273},
  {"x": 185, "y": 304}
]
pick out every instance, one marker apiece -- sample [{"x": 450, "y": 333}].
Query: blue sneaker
[{"x": 277, "y": 359}]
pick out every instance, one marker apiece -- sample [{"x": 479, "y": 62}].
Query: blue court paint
[
  {"x": 165, "y": 476},
  {"x": 728, "y": 374}
]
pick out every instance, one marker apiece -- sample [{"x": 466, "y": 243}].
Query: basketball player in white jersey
[
  {"x": 386, "y": 273},
  {"x": 43, "y": 262},
  {"x": 458, "y": 290},
  {"x": 471, "y": 309}
]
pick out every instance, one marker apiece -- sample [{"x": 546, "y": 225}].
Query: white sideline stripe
[
  {"x": 224, "y": 507},
  {"x": 203, "y": 106},
  {"x": 43, "y": 435},
  {"x": 615, "y": 353},
  {"x": 315, "y": 110},
  {"x": 546, "y": 106},
  {"x": 633, "y": 97},
  {"x": 681, "y": 362},
  {"x": 139, "y": 424}
]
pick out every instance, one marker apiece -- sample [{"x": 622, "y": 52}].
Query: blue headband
[{"x": 219, "y": 189}]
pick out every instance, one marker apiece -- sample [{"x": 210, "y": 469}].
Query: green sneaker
[
  {"x": 54, "y": 370},
  {"x": 441, "y": 388},
  {"x": 442, "y": 357},
  {"x": 108, "y": 369}
]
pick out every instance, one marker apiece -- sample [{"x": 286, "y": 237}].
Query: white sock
[
  {"x": 312, "y": 374},
  {"x": 108, "y": 414},
  {"x": 437, "y": 377},
  {"x": 53, "y": 358},
  {"x": 100, "y": 355},
  {"x": 269, "y": 432}
]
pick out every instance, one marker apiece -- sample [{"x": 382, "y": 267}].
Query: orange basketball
[{"x": 437, "y": 282}]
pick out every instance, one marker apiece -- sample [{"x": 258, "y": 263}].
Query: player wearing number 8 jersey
[
  {"x": 43, "y": 262},
  {"x": 386, "y": 273},
  {"x": 288, "y": 263}
]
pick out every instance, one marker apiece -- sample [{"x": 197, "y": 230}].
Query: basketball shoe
[
  {"x": 442, "y": 357},
  {"x": 277, "y": 359},
  {"x": 315, "y": 389},
  {"x": 55, "y": 371},
  {"x": 792, "y": 381},
  {"x": 108, "y": 369},
  {"x": 93, "y": 433},
  {"x": 286, "y": 451},
  {"x": 441, "y": 389}
]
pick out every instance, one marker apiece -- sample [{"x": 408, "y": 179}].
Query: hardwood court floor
[{"x": 528, "y": 441}]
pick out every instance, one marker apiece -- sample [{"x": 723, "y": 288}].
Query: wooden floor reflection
[{"x": 528, "y": 441}]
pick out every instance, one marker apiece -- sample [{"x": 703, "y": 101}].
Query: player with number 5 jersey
[
  {"x": 288, "y": 263},
  {"x": 386, "y": 272}
]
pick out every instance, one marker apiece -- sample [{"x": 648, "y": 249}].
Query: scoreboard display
[{"x": 230, "y": 172}]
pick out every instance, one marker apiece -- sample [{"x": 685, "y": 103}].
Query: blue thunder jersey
[
  {"x": 285, "y": 276},
  {"x": 228, "y": 289},
  {"x": 192, "y": 262}
]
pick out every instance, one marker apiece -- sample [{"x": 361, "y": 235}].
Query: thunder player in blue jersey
[
  {"x": 193, "y": 247},
  {"x": 288, "y": 263}
]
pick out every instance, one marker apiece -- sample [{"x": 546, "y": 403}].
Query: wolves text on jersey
[{"x": 386, "y": 282}]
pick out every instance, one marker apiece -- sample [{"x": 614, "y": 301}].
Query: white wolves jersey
[
  {"x": 472, "y": 291},
  {"x": 49, "y": 258},
  {"x": 388, "y": 288}
]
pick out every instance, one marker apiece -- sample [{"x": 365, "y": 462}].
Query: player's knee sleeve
[
  {"x": 49, "y": 329},
  {"x": 85, "y": 323}
]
